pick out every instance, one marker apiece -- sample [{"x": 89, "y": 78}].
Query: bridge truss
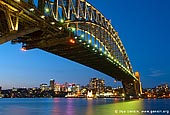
[{"x": 57, "y": 25}]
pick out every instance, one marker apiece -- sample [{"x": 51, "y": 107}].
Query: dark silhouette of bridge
[{"x": 73, "y": 29}]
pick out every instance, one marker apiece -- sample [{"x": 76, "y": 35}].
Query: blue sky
[{"x": 143, "y": 27}]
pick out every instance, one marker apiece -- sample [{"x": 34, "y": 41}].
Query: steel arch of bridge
[
  {"x": 86, "y": 24},
  {"x": 48, "y": 24},
  {"x": 83, "y": 18}
]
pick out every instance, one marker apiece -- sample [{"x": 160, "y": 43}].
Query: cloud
[{"x": 156, "y": 73}]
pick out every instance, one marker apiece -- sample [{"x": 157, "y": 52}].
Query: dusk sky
[{"x": 144, "y": 28}]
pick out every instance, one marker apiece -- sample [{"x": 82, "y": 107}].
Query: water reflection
[
  {"x": 89, "y": 110},
  {"x": 75, "y": 106},
  {"x": 98, "y": 107},
  {"x": 127, "y": 107},
  {"x": 117, "y": 107}
]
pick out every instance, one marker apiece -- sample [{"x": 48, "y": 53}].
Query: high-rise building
[
  {"x": 52, "y": 84},
  {"x": 97, "y": 85},
  {"x": 57, "y": 88}
]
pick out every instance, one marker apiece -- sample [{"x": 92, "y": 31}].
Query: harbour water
[{"x": 82, "y": 106}]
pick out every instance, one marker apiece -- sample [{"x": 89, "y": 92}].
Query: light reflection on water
[{"x": 76, "y": 106}]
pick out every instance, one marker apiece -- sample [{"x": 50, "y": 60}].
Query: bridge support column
[{"x": 132, "y": 89}]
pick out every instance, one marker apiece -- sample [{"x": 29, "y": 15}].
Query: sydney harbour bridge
[{"x": 73, "y": 29}]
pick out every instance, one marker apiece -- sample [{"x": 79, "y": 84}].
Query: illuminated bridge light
[
  {"x": 72, "y": 41},
  {"x": 101, "y": 54},
  {"x": 75, "y": 37},
  {"x": 73, "y": 29},
  {"x": 62, "y": 20},
  {"x": 82, "y": 36},
  {"x": 47, "y": 10},
  {"x": 31, "y": 9},
  {"x": 117, "y": 62},
  {"x": 105, "y": 52},
  {"x": 100, "y": 49},
  {"x": 95, "y": 45},
  {"x": 93, "y": 49},
  {"x": 60, "y": 28},
  {"x": 17, "y": 0},
  {"x": 80, "y": 40},
  {"x": 88, "y": 45},
  {"x": 89, "y": 41},
  {"x": 42, "y": 16},
  {"x": 109, "y": 55},
  {"x": 52, "y": 23}
]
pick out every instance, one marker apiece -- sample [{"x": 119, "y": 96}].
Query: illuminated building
[
  {"x": 73, "y": 90},
  {"x": 44, "y": 87},
  {"x": 97, "y": 85},
  {"x": 64, "y": 87},
  {"x": 162, "y": 87},
  {"x": 57, "y": 88},
  {"x": 52, "y": 84}
]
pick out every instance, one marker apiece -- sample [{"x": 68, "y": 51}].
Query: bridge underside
[
  {"x": 76, "y": 52},
  {"x": 83, "y": 55}
]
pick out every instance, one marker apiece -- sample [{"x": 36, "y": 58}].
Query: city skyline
[
  {"x": 95, "y": 88},
  {"x": 143, "y": 28}
]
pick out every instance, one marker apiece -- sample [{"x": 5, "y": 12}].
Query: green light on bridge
[
  {"x": 95, "y": 45},
  {"x": 82, "y": 36},
  {"x": 89, "y": 41},
  {"x": 62, "y": 20},
  {"x": 47, "y": 10},
  {"x": 109, "y": 55},
  {"x": 73, "y": 29}
]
